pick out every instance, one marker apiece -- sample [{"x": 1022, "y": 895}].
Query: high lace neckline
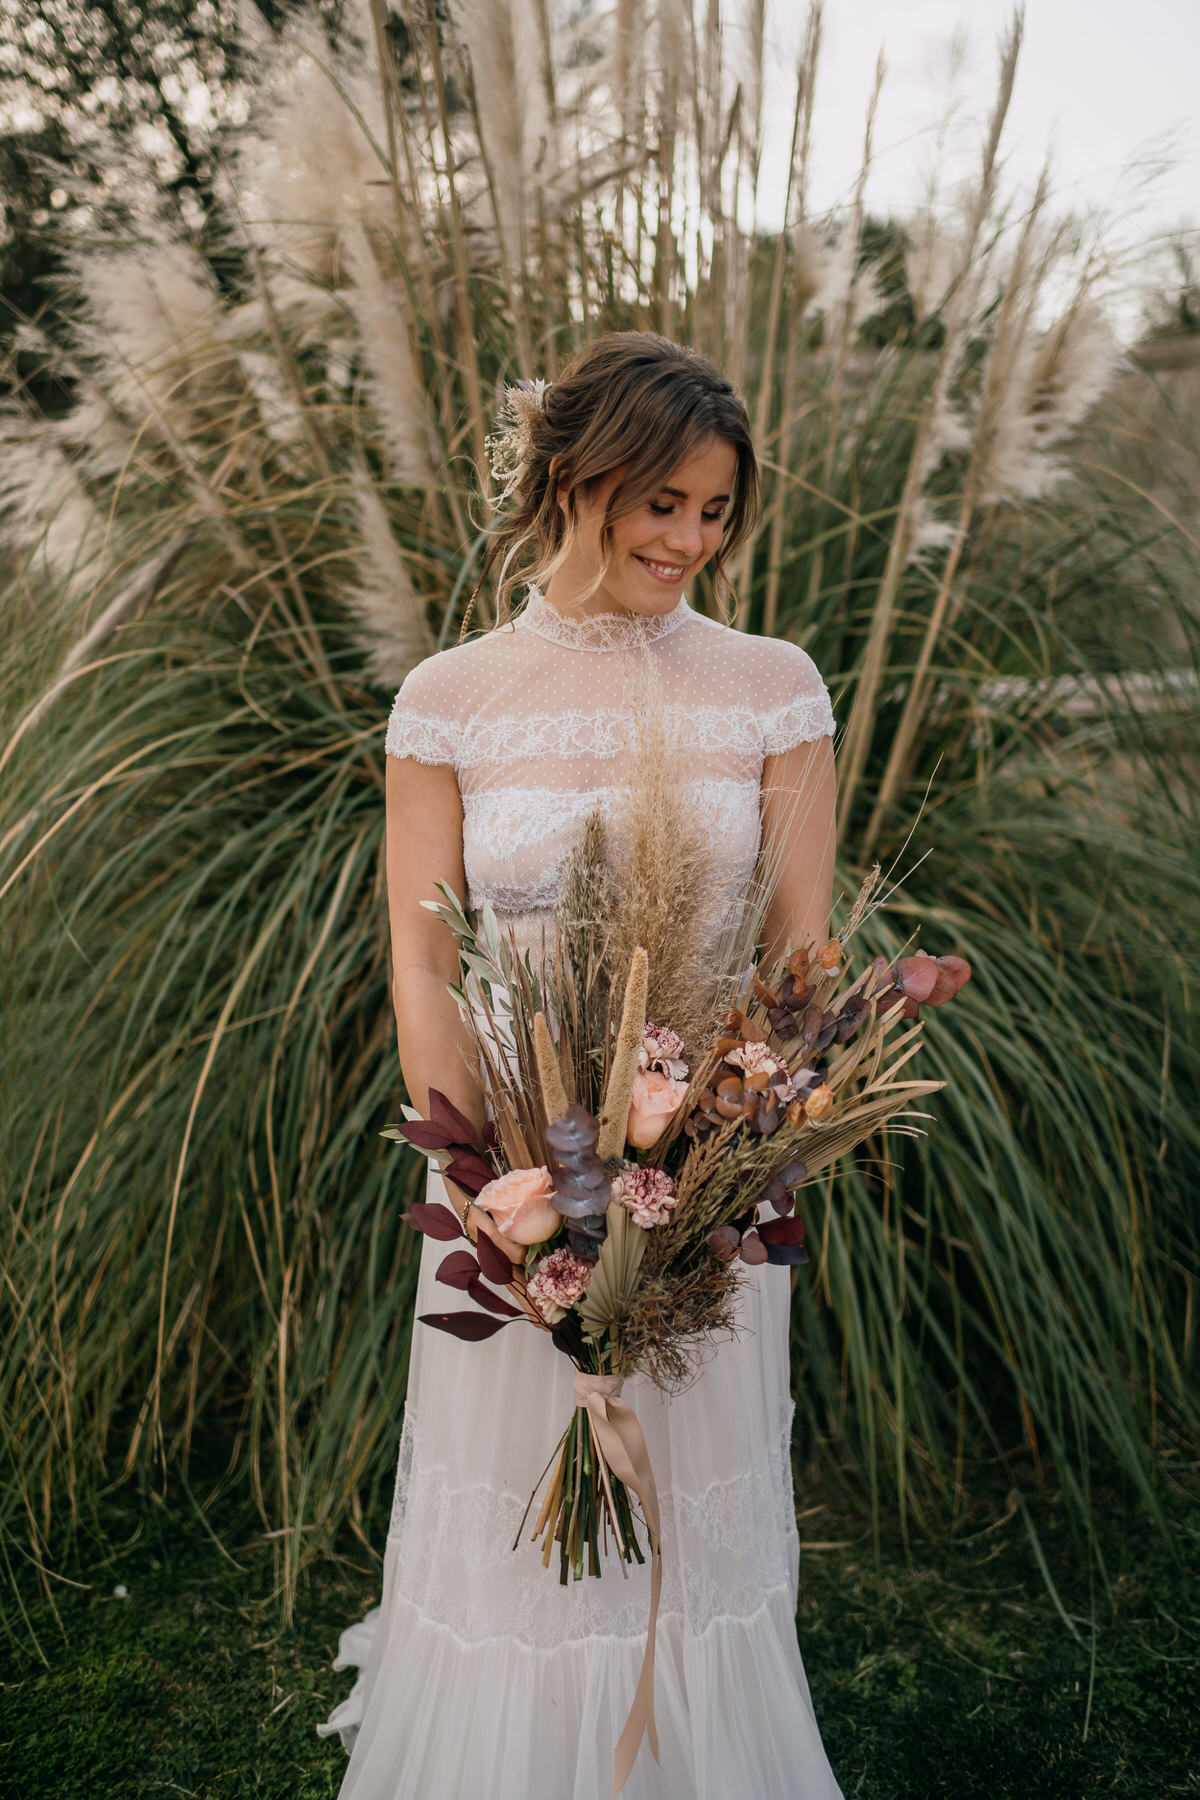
[{"x": 598, "y": 631}]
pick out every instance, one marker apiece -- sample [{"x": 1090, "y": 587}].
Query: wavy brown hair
[{"x": 631, "y": 401}]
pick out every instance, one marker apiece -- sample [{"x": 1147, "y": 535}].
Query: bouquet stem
[{"x": 584, "y": 1498}]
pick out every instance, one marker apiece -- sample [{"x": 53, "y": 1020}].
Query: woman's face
[{"x": 656, "y": 550}]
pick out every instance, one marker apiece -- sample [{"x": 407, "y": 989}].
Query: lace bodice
[{"x": 534, "y": 715}]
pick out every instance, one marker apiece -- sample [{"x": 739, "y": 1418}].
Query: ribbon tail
[
  {"x": 624, "y": 1445},
  {"x": 641, "y": 1713}
]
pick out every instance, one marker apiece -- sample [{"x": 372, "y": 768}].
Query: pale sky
[{"x": 1111, "y": 88}]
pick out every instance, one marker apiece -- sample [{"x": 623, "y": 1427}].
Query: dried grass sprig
[
  {"x": 581, "y": 927},
  {"x": 668, "y": 896},
  {"x": 555, "y": 1098},
  {"x": 678, "y": 1311}
]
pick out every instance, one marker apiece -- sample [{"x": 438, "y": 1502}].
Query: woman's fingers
[
  {"x": 482, "y": 1222},
  {"x": 476, "y": 1220}
]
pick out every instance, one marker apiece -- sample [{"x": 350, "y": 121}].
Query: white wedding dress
[{"x": 481, "y": 1677}]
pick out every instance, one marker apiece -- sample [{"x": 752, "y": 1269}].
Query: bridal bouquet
[
  {"x": 642, "y": 1173},
  {"x": 654, "y": 1104}
]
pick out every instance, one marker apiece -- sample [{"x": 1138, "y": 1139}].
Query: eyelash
[{"x": 709, "y": 518}]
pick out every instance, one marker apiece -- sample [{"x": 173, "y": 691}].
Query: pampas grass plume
[
  {"x": 43, "y": 502},
  {"x": 307, "y": 167},
  {"x": 486, "y": 30},
  {"x": 390, "y": 612},
  {"x": 152, "y": 333},
  {"x": 668, "y": 896},
  {"x": 386, "y": 348}
]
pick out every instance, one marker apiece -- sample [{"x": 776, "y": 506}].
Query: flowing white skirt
[{"x": 482, "y": 1676}]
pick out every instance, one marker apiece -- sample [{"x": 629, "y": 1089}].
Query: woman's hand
[
  {"x": 515, "y": 1252},
  {"x": 475, "y": 1220}
]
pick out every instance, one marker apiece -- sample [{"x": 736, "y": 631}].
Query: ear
[{"x": 560, "y": 487}]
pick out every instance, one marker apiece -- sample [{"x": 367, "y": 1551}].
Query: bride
[{"x": 480, "y": 1675}]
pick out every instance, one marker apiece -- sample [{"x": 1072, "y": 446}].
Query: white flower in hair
[{"x": 521, "y": 407}]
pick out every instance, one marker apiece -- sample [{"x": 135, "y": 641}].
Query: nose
[{"x": 683, "y": 535}]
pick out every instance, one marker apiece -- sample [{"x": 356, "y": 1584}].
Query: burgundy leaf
[
  {"x": 458, "y": 1270},
  {"x": 851, "y": 1017},
  {"x": 776, "y": 1194},
  {"x": 483, "y": 1296},
  {"x": 434, "y": 1221},
  {"x": 916, "y": 975},
  {"x": 444, "y": 1113},
  {"x": 493, "y": 1261},
  {"x": 471, "y": 1327},
  {"x": 469, "y": 1171},
  {"x": 491, "y": 1137},
  {"x": 811, "y": 1024},
  {"x": 425, "y": 1135},
  {"x": 754, "y": 1249},
  {"x": 958, "y": 968},
  {"x": 953, "y": 971},
  {"x": 944, "y": 988},
  {"x": 787, "y": 1254},
  {"x": 724, "y": 1241},
  {"x": 786, "y": 1230}
]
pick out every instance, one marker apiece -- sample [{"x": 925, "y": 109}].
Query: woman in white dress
[{"x": 481, "y": 1676}]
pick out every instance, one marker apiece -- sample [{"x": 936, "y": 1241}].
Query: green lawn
[{"x": 950, "y": 1674}]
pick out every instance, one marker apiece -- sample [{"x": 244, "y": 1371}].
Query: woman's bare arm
[
  {"x": 424, "y": 846},
  {"x": 799, "y": 816}
]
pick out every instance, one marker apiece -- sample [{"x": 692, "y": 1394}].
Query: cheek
[
  {"x": 710, "y": 537},
  {"x": 630, "y": 536}
]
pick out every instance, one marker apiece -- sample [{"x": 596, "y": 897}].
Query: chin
[{"x": 644, "y": 595}]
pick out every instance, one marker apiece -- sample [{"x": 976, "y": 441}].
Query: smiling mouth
[{"x": 664, "y": 571}]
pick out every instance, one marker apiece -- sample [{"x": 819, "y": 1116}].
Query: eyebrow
[{"x": 678, "y": 494}]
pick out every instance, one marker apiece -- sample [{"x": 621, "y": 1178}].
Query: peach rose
[
  {"x": 653, "y": 1103},
  {"x": 521, "y": 1204}
]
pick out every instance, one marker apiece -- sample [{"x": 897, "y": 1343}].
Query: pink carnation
[
  {"x": 648, "y": 1193},
  {"x": 755, "y": 1059},
  {"x": 557, "y": 1283},
  {"x": 662, "y": 1049}
]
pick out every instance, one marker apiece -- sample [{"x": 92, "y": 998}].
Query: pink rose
[
  {"x": 653, "y": 1103},
  {"x": 522, "y": 1204}
]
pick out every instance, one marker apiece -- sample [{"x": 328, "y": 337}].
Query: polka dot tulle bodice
[{"x": 534, "y": 717}]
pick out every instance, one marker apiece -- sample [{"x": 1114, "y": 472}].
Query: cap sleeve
[
  {"x": 803, "y": 710},
  {"x": 424, "y": 722}
]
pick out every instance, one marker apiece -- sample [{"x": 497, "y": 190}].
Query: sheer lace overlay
[
  {"x": 480, "y": 1673},
  {"x": 534, "y": 718}
]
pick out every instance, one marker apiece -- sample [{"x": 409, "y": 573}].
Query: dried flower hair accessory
[{"x": 522, "y": 405}]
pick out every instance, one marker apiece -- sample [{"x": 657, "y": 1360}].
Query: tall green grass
[{"x": 262, "y": 510}]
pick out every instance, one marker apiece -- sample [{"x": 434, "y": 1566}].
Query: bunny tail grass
[{"x": 615, "y": 1109}]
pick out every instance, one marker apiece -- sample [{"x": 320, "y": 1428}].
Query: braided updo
[{"x": 632, "y": 401}]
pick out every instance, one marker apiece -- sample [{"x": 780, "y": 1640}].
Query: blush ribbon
[{"x": 618, "y": 1435}]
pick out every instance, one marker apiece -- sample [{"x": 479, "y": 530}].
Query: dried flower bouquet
[{"x": 643, "y": 1175}]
